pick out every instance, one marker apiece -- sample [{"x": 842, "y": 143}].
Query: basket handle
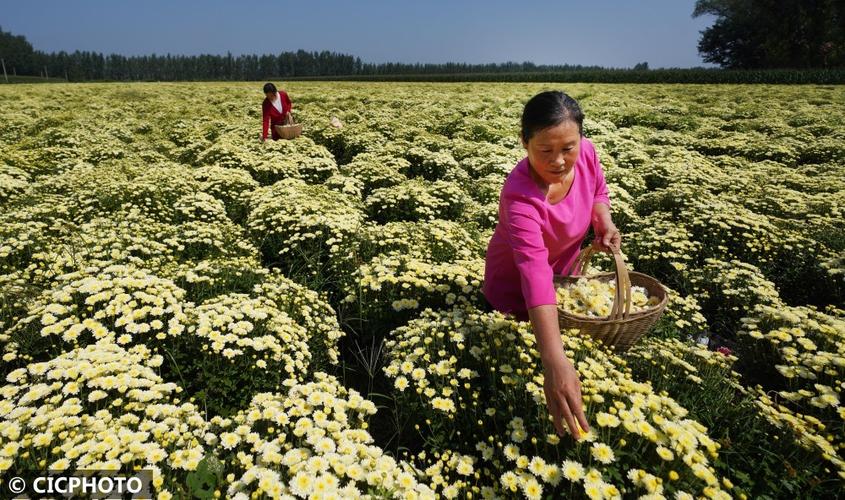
[{"x": 623, "y": 280}]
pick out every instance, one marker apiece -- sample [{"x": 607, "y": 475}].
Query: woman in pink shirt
[{"x": 547, "y": 203}]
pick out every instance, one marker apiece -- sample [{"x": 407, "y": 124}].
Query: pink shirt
[{"x": 535, "y": 239}]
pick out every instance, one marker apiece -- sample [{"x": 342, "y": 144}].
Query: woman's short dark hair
[
  {"x": 548, "y": 109},
  {"x": 269, "y": 87}
]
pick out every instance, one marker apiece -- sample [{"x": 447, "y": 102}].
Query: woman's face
[
  {"x": 552, "y": 152},
  {"x": 270, "y": 95}
]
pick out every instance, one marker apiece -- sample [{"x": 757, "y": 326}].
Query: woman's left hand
[{"x": 610, "y": 240}]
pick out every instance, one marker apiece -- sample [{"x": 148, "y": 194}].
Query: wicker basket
[
  {"x": 291, "y": 130},
  {"x": 622, "y": 328}
]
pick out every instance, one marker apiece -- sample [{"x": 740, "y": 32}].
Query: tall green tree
[
  {"x": 759, "y": 34},
  {"x": 17, "y": 54}
]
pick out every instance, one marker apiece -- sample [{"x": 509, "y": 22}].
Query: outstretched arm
[{"x": 561, "y": 383}]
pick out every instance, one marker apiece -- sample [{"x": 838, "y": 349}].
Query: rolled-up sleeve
[
  {"x": 524, "y": 224},
  {"x": 602, "y": 194}
]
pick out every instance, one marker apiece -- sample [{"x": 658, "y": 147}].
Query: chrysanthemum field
[{"x": 303, "y": 319}]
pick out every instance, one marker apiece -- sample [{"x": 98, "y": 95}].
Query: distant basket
[
  {"x": 622, "y": 328},
  {"x": 289, "y": 131}
]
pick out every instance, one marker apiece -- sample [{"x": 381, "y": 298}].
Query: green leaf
[{"x": 203, "y": 481}]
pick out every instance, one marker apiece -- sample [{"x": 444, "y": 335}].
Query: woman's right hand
[
  {"x": 563, "y": 395},
  {"x": 560, "y": 379}
]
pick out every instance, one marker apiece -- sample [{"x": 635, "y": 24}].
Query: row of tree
[
  {"x": 21, "y": 59},
  {"x": 746, "y": 34}
]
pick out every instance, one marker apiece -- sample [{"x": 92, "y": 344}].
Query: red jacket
[{"x": 271, "y": 116}]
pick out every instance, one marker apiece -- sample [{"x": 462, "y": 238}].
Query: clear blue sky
[{"x": 614, "y": 33}]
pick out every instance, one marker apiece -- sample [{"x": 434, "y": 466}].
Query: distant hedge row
[{"x": 694, "y": 75}]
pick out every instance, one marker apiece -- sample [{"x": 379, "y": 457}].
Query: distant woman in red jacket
[{"x": 275, "y": 110}]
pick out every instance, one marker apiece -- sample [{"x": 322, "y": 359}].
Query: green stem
[{"x": 175, "y": 366}]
